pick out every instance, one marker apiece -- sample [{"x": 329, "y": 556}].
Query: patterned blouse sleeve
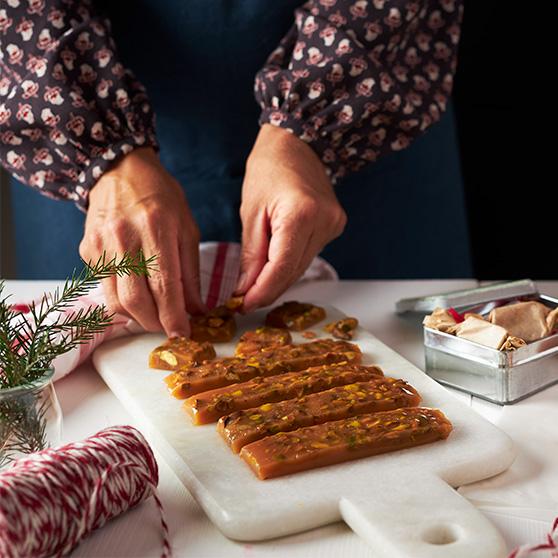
[
  {"x": 357, "y": 79},
  {"x": 68, "y": 107}
]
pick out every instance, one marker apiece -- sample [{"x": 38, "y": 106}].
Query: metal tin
[
  {"x": 502, "y": 377},
  {"x": 467, "y": 297}
]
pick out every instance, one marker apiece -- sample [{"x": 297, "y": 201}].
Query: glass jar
[{"x": 30, "y": 419}]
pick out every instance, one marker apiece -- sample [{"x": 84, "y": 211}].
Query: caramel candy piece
[
  {"x": 512, "y": 344},
  {"x": 217, "y": 326},
  {"x": 344, "y": 440},
  {"x": 290, "y": 358},
  {"x": 254, "y": 342},
  {"x": 526, "y": 320},
  {"x": 473, "y": 315},
  {"x": 296, "y": 316},
  {"x": 342, "y": 329},
  {"x": 440, "y": 319},
  {"x": 552, "y": 320},
  {"x": 180, "y": 351},
  {"x": 234, "y": 304},
  {"x": 222, "y": 372},
  {"x": 209, "y": 406},
  {"x": 482, "y": 332},
  {"x": 378, "y": 394}
]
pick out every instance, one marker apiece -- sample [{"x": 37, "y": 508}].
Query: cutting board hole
[{"x": 441, "y": 534}]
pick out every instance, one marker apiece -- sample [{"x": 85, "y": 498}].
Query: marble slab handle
[{"x": 422, "y": 518}]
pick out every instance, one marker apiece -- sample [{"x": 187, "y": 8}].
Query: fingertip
[
  {"x": 176, "y": 326},
  {"x": 251, "y": 302},
  {"x": 178, "y": 333},
  {"x": 182, "y": 330}
]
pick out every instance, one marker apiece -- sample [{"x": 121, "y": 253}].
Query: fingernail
[{"x": 242, "y": 286}]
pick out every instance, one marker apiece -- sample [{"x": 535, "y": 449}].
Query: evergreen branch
[
  {"x": 30, "y": 341},
  {"x": 78, "y": 285}
]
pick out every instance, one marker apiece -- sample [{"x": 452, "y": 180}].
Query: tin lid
[{"x": 467, "y": 297}]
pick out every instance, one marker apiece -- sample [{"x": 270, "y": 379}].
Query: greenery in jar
[{"x": 32, "y": 338}]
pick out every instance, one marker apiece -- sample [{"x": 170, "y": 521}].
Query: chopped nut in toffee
[
  {"x": 342, "y": 329},
  {"x": 217, "y": 326}
]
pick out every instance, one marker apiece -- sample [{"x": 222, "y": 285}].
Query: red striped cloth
[{"x": 219, "y": 268}]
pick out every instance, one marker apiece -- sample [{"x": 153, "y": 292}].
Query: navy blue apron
[{"x": 198, "y": 59}]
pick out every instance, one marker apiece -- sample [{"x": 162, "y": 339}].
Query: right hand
[{"x": 134, "y": 205}]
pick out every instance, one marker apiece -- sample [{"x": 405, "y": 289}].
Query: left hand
[{"x": 289, "y": 212}]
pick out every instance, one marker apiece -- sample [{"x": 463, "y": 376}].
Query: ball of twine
[{"x": 51, "y": 500}]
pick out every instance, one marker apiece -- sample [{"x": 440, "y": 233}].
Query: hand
[
  {"x": 137, "y": 204},
  {"x": 289, "y": 212}
]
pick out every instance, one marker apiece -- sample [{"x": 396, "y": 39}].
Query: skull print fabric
[
  {"x": 354, "y": 79},
  {"x": 362, "y": 78}
]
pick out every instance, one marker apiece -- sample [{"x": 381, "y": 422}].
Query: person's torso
[{"x": 198, "y": 60}]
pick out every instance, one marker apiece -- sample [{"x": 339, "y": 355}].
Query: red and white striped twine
[{"x": 53, "y": 499}]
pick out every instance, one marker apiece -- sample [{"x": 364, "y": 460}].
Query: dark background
[{"x": 503, "y": 129}]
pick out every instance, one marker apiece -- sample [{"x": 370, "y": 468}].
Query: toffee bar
[
  {"x": 290, "y": 358},
  {"x": 378, "y": 394},
  {"x": 344, "y": 440},
  {"x": 211, "y": 405}
]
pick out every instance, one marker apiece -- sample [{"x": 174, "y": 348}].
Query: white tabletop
[{"x": 89, "y": 406}]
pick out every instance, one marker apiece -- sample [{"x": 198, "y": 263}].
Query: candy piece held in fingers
[
  {"x": 342, "y": 329},
  {"x": 209, "y": 406},
  {"x": 344, "y": 440},
  {"x": 377, "y": 394},
  {"x": 261, "y": 339},
  {"x": 296, "y": 316},
  {"x": 290, "y": 358},
  {"x": 234, "y": 304},
  {"x": 180, "y": 351},
  {"x": 217, "y": 326}
]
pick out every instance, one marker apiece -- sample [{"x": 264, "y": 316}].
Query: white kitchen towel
[{"x": 219, "y": 268}]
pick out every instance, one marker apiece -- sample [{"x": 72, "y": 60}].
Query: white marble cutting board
[{"x": 402, "y": 503}]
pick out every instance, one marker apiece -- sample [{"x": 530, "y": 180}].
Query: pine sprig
[{"x": 30, "y": 341}]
